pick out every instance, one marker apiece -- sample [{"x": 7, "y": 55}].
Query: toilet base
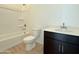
[{"x": 29, "y": 47}]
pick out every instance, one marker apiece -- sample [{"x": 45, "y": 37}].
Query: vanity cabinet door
[
  {"x": 56, "y": 43},
  {"x": 51, "y": 46},
  {"x": 68, "y": 48}
]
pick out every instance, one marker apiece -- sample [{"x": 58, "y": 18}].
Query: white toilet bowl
[{"x": 30, "y": 41}]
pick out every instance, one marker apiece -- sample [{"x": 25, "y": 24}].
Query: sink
[
  {"x": 70, "y": 31},
  {"x": 63, "y": 30}
]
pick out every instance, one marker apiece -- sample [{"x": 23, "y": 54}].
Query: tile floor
[
  {"x": 20, "y": 49},
  {"x": 37, "y": 50}
]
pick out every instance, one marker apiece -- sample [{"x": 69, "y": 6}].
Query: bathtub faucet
[{"x": 24, "y": 25}]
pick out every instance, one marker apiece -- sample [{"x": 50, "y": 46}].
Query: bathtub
[{"x": 10, "y": 40}]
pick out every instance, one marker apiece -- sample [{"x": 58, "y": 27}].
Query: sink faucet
[{"x": 63, "y": 26}]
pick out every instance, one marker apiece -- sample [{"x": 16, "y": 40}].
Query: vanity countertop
[{"x": 69, "y": 31}]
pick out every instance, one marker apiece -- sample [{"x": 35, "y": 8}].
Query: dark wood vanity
[{"x": 59, "y": 43}]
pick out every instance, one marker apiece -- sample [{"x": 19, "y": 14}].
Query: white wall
[
  {"x": 44, "y": 15},
  {"x": 51, "y": 14},
  {"x": 71, "y": 15}
]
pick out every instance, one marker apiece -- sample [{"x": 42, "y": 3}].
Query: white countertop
[{"x": 69, "y": 31}]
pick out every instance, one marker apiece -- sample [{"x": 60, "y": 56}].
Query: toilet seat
[{"x": 29, "y": 38}]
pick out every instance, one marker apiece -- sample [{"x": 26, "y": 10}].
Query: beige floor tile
[{"x": 21, "y": 49}]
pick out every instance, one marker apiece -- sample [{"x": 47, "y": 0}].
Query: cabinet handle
[
  {"x": 59, "y": 47},
  {"x": 62, "y": 48}
]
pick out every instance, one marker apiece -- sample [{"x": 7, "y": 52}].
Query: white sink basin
[{"x": 63, "y": 30}]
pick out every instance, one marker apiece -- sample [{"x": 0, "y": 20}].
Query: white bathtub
[{"x": 10, "y": 39}]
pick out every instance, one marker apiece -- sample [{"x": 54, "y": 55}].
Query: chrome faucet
[{"x": 63, "y": 26}]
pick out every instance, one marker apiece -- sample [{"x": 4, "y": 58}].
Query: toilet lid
[{"x": 29, "y": 38}]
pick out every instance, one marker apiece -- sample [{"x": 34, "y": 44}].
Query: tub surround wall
[
  {"x": 11, "y": 21},
  {"x": 8, "y": 21}
]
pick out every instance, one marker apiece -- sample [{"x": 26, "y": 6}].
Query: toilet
[{"x": 30, "y": 40}]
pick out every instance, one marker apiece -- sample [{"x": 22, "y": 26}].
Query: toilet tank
[{"x": 36, "y": 32}]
